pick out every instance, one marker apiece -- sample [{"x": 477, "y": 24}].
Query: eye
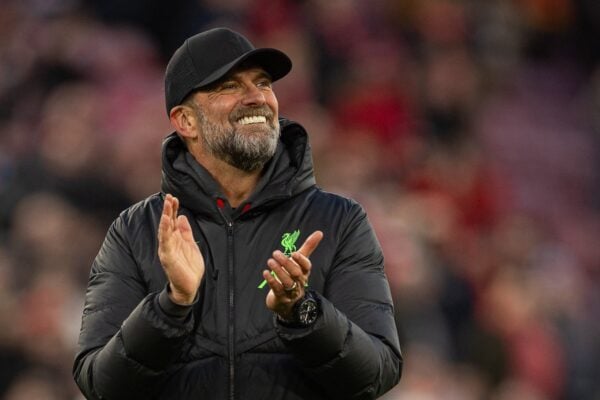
[
  {"x": 228, "y": 85},
  {"x": 264, "y": 83}
]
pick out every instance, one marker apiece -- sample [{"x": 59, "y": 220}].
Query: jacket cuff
[
  {"x": 320, "y": 341},
  {"x": 172, "y": 309}
]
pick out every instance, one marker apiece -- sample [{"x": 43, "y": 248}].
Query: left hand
[{"x": 290, "y": 272}]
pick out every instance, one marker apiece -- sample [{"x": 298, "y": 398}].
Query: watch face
[{"x": 308, "y": 312}]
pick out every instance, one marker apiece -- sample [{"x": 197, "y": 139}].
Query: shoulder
[
  {"x": 146, "y": 211},
  {"x": 337, "y": 203},
  {"x": 341, "y": 214},
  {"x": 147, "y": 206}
]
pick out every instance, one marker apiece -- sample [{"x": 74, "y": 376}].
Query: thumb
[{"x": 311, "y": 243}]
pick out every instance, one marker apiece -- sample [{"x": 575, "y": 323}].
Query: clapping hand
[
  {"x": 179, "y": 254},
  {"x": 289, "y": 276}
]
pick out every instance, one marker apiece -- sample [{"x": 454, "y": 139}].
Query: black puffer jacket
[{"x": 136, "y": 344}]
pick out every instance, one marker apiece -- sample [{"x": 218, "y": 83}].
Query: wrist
[
  {"x": 285, "y": 311},
  {"x": 172, "y": 309},
  {"x": 303, "y": 313},
  {"x": 285, "y": 316},
  {"x": 179, "y": 298}
]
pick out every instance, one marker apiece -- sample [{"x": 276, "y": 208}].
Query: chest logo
[{"x": 288, "y": 242}]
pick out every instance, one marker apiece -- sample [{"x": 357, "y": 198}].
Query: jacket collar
[{"x": 288, "y": 173}]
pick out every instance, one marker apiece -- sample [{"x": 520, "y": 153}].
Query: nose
[{"x": 253, "y": 96}]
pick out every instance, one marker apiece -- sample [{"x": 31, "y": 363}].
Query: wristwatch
[{"x": 304, "y": 313}]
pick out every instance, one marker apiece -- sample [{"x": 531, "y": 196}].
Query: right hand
[
  {"x": 289, "y": 272},
  {"x": 179, "y": 254}
]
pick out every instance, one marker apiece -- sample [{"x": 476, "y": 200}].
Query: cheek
[
  {"x": 223, "y": 116},
  {"x": 272, "y": 103},
  {"x": 219, "y": 110}
]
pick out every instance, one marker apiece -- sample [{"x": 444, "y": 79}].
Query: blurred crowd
[{"x": 468, "y": 129}]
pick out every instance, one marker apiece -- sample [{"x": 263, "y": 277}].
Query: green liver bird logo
[{"x": 288, "y": 241}]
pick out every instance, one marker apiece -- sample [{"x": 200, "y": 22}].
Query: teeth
[{"x": 260, "y": 119}]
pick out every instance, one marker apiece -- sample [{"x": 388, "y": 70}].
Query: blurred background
[{"x": 469, "y": 130}]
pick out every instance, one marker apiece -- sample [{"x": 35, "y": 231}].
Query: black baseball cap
[{"x": 208, "y": 56}]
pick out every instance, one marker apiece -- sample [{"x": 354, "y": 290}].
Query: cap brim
[{"x": 273, "y": 61}]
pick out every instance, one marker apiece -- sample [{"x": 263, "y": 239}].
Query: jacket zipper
[{"x": 231, "y": 324}]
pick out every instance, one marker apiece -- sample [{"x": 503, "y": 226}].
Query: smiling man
[{"x": 241, "y": 279}]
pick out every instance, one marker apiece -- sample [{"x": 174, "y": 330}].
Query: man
[{"x": 260, "y": 285}]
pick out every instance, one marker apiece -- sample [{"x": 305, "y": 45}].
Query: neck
[{"x": 236, "y": 185}]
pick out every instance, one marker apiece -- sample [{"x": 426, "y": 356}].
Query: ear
[{"x": 184, "y": 120}]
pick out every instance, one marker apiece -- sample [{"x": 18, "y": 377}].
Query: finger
[
  {"x": 164, "y": 226},
  {"x": 167, "y": 206},
  {"x": 302, "y": 261},
  {"x": 311, "y": 243},
  {"x": 290, "y": 266},
  {"x": 183, "y": 224},
  {"x": 163, "y": 237},
  {"x": 273, "y": 283},
  {"x": 175, "y": 205},
  {"x": 281, "y": 274}
]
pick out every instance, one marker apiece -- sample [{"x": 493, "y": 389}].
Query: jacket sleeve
[
  {"x": 352, "y": 350},
  {"x": 127, "y": 339}
]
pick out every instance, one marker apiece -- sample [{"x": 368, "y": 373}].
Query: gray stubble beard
[{"x": 248, "y": 153}]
